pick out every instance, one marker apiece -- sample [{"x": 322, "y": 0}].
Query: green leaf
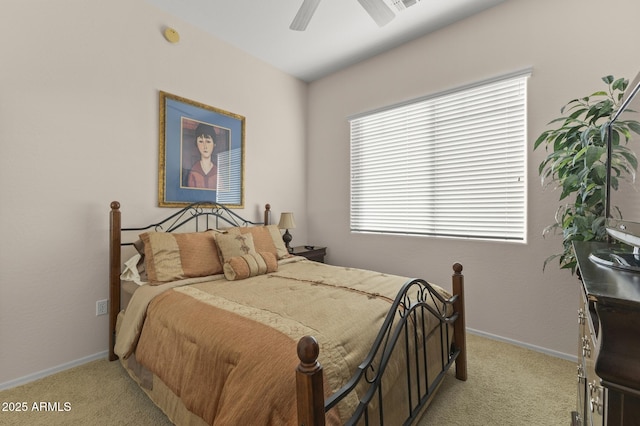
[
  {"x": 568, "y": 186},
  {"x": 543, "y": 137},
  {"x": 633, "y": 125},
  {"x": 615, "y": 138},
  {"x": 599, "y": 173},
  {"x": 577, "y": 113},
  {"x": 603, "y": 132},
  {"x": 598, "y": 224},
  {"x": 549, "y": 259},
  {"x": 620, "y": 84},
  {"x": 594, "y": 153}
]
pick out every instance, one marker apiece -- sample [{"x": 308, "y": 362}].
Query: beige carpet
[{"x": 507, "y": 385}]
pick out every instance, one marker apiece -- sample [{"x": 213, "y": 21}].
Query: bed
[{"x": 219, "y": 324}]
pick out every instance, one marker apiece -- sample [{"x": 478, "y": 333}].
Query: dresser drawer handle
[
  {"x": 581, "y": 316},
  {"x": 595, "y": 402},
  {"x": 596, "y": 405},
  {"x": 586, "y": 347},
  {"x": 580, "y": 373}
]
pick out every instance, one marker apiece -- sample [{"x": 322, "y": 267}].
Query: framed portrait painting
[{"x": 201, "y": 155}]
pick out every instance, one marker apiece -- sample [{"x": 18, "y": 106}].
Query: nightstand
[{"x": 314, "y": 253}]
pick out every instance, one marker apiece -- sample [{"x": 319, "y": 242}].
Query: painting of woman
[{"x": 204, "y": 172}]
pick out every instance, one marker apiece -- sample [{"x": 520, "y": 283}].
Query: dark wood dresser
[{"x": 609, "y": 343}]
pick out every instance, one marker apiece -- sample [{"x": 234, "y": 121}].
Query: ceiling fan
[{"x": 377, "y": 9}]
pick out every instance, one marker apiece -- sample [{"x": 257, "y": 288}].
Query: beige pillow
[
  {"x": 175, "y": 256},
  {"x": 250, "y": 265},
  {"x": 266, "y": 238},
  {"x": 276, "y": 236},
  {"x": 234, "y": 244}
]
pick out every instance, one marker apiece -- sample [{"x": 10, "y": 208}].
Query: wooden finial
[
  {"x": 308, "y": 351},
  {"x": 267, "y": 214}
]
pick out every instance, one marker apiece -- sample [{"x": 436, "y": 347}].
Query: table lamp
[{"x": 286, "y": 223}]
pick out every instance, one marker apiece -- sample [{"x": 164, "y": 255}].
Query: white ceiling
[{"x": 340, "y": 33}]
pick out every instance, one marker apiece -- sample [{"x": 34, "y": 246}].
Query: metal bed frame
[{"x": 405, "y": 326}]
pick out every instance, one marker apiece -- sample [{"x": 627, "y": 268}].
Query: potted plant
[{"x": 576, "y": 163}]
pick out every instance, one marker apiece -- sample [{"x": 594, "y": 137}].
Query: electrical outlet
[{"x": 102, "y": 307}]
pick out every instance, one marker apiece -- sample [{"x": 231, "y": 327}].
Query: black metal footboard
[{"x": 419, "y": 318}]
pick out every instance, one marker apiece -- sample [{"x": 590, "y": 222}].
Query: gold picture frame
[{"x": 201, "y": 154}]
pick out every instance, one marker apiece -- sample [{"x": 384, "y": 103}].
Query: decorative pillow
[
  {"x": 266, "y": 238},
  {"x": 233, "y": 244},
  {"x": 139, "y": 246},
  {"x": 276, "y": 236},
  {"x": 174, "y": 256},
  {"x": 250, "y": 265},
  {"x": 134, "y": 270}
]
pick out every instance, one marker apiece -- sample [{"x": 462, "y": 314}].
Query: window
[{"x": 453, "y": 164}]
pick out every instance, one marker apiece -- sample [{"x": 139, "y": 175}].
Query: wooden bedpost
[
  {"x": 309, "y": 384},
  {"x": 114, "y": 274},
  {"x": 459, "y": 331}
]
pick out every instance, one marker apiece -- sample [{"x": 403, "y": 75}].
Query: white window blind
[{"x": 450, "y": 165}]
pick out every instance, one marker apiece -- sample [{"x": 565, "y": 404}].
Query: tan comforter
[{"x": 227, "y": 348}]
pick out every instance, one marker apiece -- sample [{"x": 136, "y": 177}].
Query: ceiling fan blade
[
  {"x": 379, "y": 11},
  {"x": 304, "y": 15}
]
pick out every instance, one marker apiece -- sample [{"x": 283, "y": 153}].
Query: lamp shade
[{"x": 287, "y": 221}]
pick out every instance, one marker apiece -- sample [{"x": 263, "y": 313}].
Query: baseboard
[
  {"x": 100, "y": 355},
  {"x": 568, "y": 357},
  {"x": 53, "y": 370}
]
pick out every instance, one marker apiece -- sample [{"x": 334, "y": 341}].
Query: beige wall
[
  {"x": 79, "y": 84},
  {"x": 569, "y": 44}
]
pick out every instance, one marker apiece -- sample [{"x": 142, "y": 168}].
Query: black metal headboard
[{"x": 200, "y": 216}]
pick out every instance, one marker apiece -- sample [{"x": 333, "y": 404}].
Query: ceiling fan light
[
  {"x": 304, "y": 15},
  {"x": 378, "y": 10},
  {"x": 401, "y": 5}
]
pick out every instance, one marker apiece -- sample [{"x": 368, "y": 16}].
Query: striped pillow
[
  {"x": 250, "y": 265},
  {"x": 175, "y": 256}
]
